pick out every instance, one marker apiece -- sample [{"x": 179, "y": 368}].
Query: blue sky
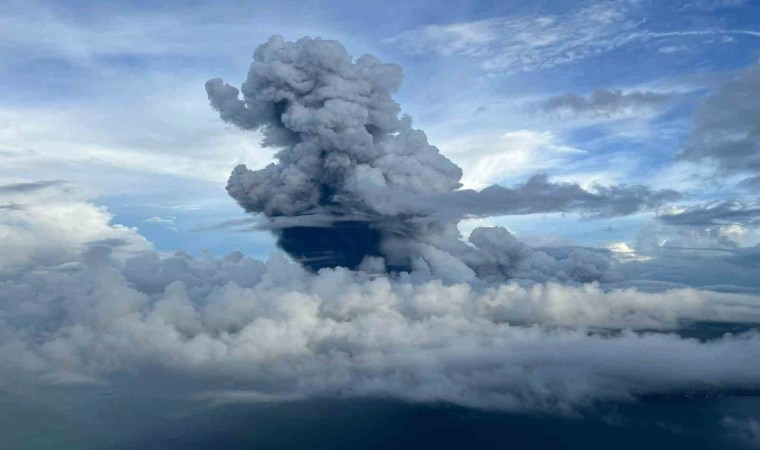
[{"x": 110, "y": 97}]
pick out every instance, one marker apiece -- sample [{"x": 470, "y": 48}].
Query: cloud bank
[
  {"x": 551, "y": 340},
  {"x": 253, "y": 331}
]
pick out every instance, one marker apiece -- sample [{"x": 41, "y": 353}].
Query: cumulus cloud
[
  {"x": 353, "y": 179},
  {"x": 45, "y": 223},
  {"x": 252, "y": 331},
  {"x": 249, "y": 331},
  {"x": 603, "y": 103},
  {"x": 552, "y": 340}
]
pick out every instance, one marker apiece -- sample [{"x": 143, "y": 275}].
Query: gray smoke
[
  {"x": 342, "y": 141},
  {"x": 355, "y": 184}
]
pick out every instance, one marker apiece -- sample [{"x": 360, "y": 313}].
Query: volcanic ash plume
[{"x": 356, "y": 186}]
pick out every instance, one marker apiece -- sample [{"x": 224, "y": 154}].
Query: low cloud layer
[
  {"x": 565, "y": 333},
  {"x": 253, "y": 331}
]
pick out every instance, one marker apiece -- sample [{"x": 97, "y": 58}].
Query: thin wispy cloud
[
  {"x": 491, "y": 159},
  {"x": 716, "y": 213},
  {"x": 32, "y": 186},
  {"x": 521, "y": 44},
  {"x": 541, "y": 41},
  {"x": 166, "y": 222}
]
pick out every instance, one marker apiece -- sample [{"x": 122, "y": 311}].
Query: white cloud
[
  {"x": 541, "y": 41},
  {"x": 185, "y": 208},
  {"x": 117, "y": 31},
  {"x": 36, "y": 139},
  {"x": 526, "y": 43},
  {"x": 624, "y": 252},
  {"x": 244, "y": 396},
  {"x": 51, "y": 225},
  {"x": 488, "y": 159},
  {"x": 273, "y": 332},
  {"x": 167, "y": 222},
  {"x": 248, "y": 331}
]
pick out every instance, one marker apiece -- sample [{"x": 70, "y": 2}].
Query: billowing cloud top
[
  {"x": 341, "y": 137},
  {"x": 354, "y": 180}
]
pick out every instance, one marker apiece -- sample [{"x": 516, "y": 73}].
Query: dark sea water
[{"x": 693, "y": 422}]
